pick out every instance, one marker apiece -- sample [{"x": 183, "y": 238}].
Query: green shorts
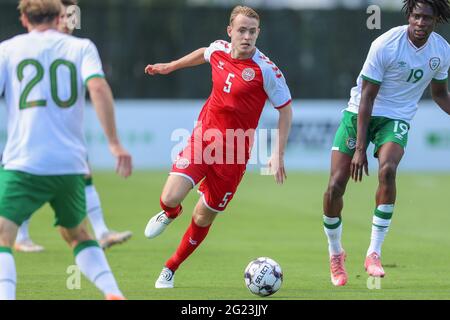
[
  {"x": 21, "y": 194},
  {"x": 381, "y": 131}
]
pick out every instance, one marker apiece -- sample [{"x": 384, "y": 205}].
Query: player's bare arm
[
  {"x": 440, "y": 94},
  {"x": 102, "y": 99},
  {"x": 276, "y": 162},
  {"x": 193, "y": 59},
  {"x": 359, "y": 162}
]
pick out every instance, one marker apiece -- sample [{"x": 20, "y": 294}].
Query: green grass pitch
[{"x": 281, "y": 222}]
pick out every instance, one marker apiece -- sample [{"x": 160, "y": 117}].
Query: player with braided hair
[{"x": 400, "y": 65}]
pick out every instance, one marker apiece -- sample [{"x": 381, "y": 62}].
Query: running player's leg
[
  {"x": 340, "y": 173},
  {"x": 175, "y": 190},
  {"x": 23, "y": 240},
  {"x": 201, "y": 221},
  {"x": 185, "y": 174},
  {"x": 217, "y": 190},
  {"x": 105, "y": 237},
  {"x": 8, "y": 276},
  {"x": 91, "y": 259},
  {"x": 332, "y": 220},
  {"x": 389, "y": 157},
  {"x": 16, "y": 206},
  {"x": 94, "y": 209},
  {"x": 343, "y": 149},
  {"x": 69, "y": 205}
]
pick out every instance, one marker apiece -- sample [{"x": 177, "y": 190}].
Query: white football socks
[
  {"x": 95, "y": 213},
  {"x": 93, "y": 264},
  {"x": 23, "y": 231},
  {"x": 333, "y": 230},
  {"x": 8, "y": 276},
  {"x": 380, "y": 227}
]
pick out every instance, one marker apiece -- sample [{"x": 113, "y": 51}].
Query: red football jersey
[
  {"x": 240, "y": 89},
  {"x": 239, "y": 93}
]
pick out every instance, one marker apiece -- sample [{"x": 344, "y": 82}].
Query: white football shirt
[
  {"x": 403, "y": 72},
  {"x": 43, "y": 77}
]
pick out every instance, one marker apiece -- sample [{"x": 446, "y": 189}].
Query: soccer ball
[{"x": 263, "y": 276}]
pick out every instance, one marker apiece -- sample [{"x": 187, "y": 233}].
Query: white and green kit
[
  {"x": 403, "y": 72},
  {"x": 43, "y": 77}
]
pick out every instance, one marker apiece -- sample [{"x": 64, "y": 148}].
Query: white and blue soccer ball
[{"x": 263, "y": 276}]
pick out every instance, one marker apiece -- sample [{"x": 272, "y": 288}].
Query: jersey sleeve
[
  {"x": 2, "y": 70},
  {"x": 276, "y": 87},
  {"x": 441, "y": 74},
  {"x": 375, "y": 64},
  {"x": 219, "y": 45},
  {"x": 91, "y": 66}
]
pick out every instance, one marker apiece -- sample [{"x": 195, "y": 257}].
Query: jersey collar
[
  {"x": 414, "y": 46},
  {"x": 45, "y": 31},
  {"x": 244, "y": 60}
]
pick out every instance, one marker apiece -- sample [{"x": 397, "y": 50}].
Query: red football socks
[
  {"x": 191, "y": 240},
  {"x": 171, "y": 213}
]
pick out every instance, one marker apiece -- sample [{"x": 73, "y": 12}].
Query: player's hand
[
  {"x": 124, "y": 165},
  {"x": 276, "y": 167},
  {"x": 358, "y": 165},
  {"x": 159, "y": 68}
]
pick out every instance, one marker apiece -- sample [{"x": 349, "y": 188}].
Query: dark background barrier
[{"x": 320, "y": 51}]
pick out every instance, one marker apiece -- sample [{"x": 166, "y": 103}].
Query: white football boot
[
  {"x": 27, "y": 245},
  {"x": 111, "y": 238},
  {"x": 166, "y": 279},
  {"x": 157, "y": 225}
]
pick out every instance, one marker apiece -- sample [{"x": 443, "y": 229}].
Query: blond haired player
[
  {"x": 44, "y": 75},
  {"x": 243, "y": 80},
  {"x": 105, "y": 237}
]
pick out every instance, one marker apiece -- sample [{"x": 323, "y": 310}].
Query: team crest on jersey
[
  {"x": 248, "y": 74},
  {"x": 182, "y": 163},
  {"x": 435, "y": 63},
  {"x": 351, "y": 143}
]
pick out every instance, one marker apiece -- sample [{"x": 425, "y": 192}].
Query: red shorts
[{"x": 220, "y": 181}]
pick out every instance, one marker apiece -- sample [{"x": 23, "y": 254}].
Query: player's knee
[
  {"x": 203, "y": 217},
  {"x": 8, "y": 231},
  {"x": 171, "y": 199},
  {"x": 387, "y": 172},
  {"x": 203, "y": 220},
  {"x": 335, "y": 190}
]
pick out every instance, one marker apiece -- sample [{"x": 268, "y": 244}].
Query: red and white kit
[{"x": 240, "y": 90}]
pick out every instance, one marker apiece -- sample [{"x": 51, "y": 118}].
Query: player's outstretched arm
[
  {"x": 276, "y": 162},
  {"x": 440, "y": 94},
  {"x": 359, "y": 163},
  {"x": 103, "y": 101},
  {"x": 191, "y": 60}
]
